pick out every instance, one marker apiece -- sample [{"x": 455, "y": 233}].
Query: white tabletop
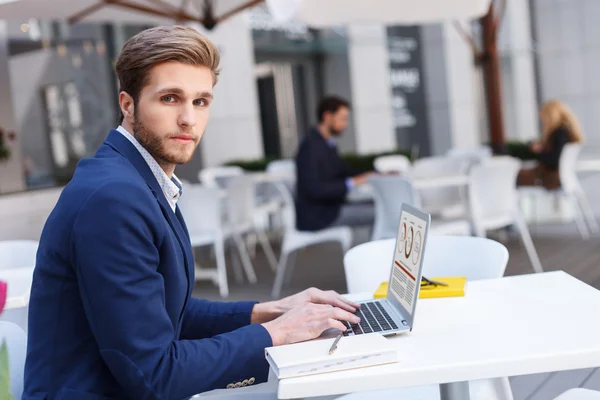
[
  {"x": 441, "y": 181},
  {"x": 588, "y": 165},
  {"x": 503, "y": 327}
]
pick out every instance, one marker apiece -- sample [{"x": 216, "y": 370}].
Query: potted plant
[{"x": 4, "y": 377}]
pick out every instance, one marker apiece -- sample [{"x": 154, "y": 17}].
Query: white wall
[
  {"x": 461, "y": 88},
  {"x": 233, "y": 131},
  {"x": 23, "y": 215},
  {"x": 451, "y": 87},
  {"x": 518, "y": 76},
  {"x": 568, "y": 38},
  {"x": 371, "y": 91},
  {"x": 11, "y": 171}
]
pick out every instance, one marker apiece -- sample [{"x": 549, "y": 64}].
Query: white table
[
  {"x": 364, "y": 192},
  {"x": 503, "y": 327}
]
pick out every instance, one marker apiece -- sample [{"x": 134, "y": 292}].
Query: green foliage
[
  {"x": 354, "y": 161},
  {"x": 4, "y": 377}
]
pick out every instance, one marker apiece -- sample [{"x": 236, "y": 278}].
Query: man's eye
[
  {"x": 200, "y": 102},
  {"x": 168, "y": 99}
]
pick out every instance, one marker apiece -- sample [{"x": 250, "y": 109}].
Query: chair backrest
[
  {"x": 493, "y": 189},
  {"x": 219, "y": 177},
  {"x": 241, "y": 202},
  {"x": 288, "y": 211},
  {"x": 389, "y": 193},
  {"x": 18, "y": 253},
  {"x": 287, "y": 169},
  {"x": 368, "y": 265},
  {"x": 392, "y": 163},
  {"x": 567, "y": 167},
  {"x": 201, "y": 208},
  {"x": 479, "y": 152},
  {"x": 16, "y": 342},
  {"x": 436, "y": 199},
  {"x": 287, "y": 166}
]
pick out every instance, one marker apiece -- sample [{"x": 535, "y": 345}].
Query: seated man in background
[{"x": 323, "y": 179}]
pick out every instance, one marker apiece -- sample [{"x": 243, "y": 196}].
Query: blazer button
[
  {"x": 238, "y": 385},
  {"x": 245, "y": 382},
  {"x": 251, "y": 381},
  {"x": 230, "y": 386}
]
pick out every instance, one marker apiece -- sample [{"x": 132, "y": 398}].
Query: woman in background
[{"x": 559, "y": 127}]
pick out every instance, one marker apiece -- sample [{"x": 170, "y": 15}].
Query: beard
[{"x": 155, "y": 144}]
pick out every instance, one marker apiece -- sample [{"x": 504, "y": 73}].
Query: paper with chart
[{"x": 407, "y": 260}]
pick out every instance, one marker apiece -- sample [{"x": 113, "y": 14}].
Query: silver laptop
[{"x": 395, "y": 314}]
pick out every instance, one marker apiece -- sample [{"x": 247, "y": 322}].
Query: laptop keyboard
[{"x": 373, "y": 318}]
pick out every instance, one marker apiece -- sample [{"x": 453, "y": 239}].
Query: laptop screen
[{"x": 405, "y": 279}]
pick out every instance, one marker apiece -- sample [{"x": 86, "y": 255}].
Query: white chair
[
  {"x": 218, "y": 177},
  {"x": 201, "y": 208},
  {"x": 570, "y": 189},
  {"x": 294, "y": 240},
  {"x": 478, "y": 152},
  {"x": 241, "y": 210},
  {"x": 389, "y": 193},
  {"x": 287, "y": 167},
  {"x": 579, "y": 394},
  {"x": 368, "y": 265},
  {"x": 392, "y": 163},
  {"x": 18, "y": 253},
  {"x": 493, "y": 200},
  {"x": 16, "y": 343},
  {"x": 442, "y": 200}
]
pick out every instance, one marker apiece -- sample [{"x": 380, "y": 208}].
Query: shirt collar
[{"x": 171, "y": 187}]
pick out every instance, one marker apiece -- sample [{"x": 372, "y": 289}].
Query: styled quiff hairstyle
[{"x": 158, "y": 45}]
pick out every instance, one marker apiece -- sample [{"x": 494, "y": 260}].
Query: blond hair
[
  {"x": 555, "y": 115},
  {"x": 162, "y": 44}
]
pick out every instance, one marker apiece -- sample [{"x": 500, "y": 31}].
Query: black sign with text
[{"x": 408, "y": 90}]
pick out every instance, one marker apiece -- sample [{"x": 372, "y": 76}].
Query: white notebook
[{"x": 312, "y": 357}]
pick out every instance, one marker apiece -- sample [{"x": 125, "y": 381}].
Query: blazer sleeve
[
  {"x": 204, "y": 319},
  {"x": 310, "y": 178},
  {"x": 114, "y": 250}
]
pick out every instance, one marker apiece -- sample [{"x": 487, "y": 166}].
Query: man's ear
[{"x": 127, "y": 106}]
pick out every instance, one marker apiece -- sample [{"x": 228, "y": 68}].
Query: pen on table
[{"x": 334, "y": 345}]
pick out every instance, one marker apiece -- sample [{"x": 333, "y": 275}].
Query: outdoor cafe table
[{"x": 511, "y": 326}]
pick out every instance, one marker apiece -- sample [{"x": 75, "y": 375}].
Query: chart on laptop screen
[{"x": 407, "y": 259}]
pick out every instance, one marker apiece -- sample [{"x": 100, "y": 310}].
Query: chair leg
[
  {"x": 251, "y": 240},
  {"x": 588, "y": 212},
  {"x": 279, "y": 275},
  {"x": 269, "y": 253},
  {"x": 291, "y": 263},
  {"x": 236, "y": 263},
  {"x": 246, "y": 262},
  {"x": 529, "y": 247},
  {"x": 221, "y": 269},
  {"x": 579, "y": 218},
  {"x": 487, "y": 389}
]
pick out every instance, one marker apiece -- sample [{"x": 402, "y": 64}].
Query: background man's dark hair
[{"x": 330, "y": 104}]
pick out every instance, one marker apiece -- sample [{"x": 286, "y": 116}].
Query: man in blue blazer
[{"x": 111, "y": 313}]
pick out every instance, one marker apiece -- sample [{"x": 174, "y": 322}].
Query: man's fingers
[
  {"x": 334, "y": 323},
  {"x": 342, "y": 315}
]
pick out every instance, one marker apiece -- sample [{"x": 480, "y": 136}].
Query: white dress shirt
[{"x": 171, "y": 187}]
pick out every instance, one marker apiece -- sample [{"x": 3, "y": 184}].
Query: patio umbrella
[
  {"x": 323, "y": 13},
  {"x": 207, "y": 12}
]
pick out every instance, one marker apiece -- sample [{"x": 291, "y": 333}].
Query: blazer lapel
[{"x": 123, "y": 146}]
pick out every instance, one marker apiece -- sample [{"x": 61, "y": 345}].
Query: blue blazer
[
  {"x": 111, "y": 314},
  {"x": 321, "y": 183}
]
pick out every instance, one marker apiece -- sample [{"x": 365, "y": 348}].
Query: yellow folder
[{"x": 456, "y": 288}]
